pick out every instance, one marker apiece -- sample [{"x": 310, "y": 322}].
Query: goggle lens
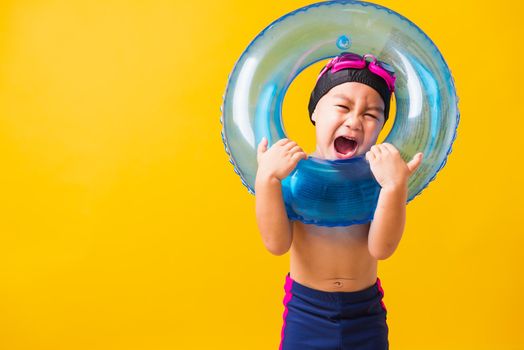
[
  {"x": 386, "y": 67},
  {"x": 360, "y": 62}
]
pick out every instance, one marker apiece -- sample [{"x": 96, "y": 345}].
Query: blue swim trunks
[{"x": 320, "y": 320}]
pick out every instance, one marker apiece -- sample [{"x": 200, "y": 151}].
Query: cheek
[
  {"x": 371, "y": 133},
  {"x": 326, "y": 127},
  {"x": 323, "y": 135}
]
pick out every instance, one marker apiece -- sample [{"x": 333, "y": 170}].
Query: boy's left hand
[{"x": 389, "y": 168}]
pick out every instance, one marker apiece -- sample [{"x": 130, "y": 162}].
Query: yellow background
[{"x": 123, "y": 225}]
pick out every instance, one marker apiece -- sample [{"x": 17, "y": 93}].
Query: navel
[{"x": 338, "y": 284}]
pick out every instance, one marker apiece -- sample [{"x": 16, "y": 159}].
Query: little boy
[{"x": 333, "y": 295}]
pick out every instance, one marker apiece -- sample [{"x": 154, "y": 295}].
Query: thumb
[
  {"x": 414, "y": 163},
  {"x": 262, "y": 146}
]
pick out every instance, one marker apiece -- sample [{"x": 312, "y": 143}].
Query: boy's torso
[{"x": 333, "y": 259}]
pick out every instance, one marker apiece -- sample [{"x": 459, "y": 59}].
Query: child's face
[{"x": 353, "y": 110}]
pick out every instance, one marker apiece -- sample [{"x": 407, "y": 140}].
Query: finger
[
  {"x": 295, "y": 149},
  {"x": 375, "y": 150},
  {"x": 370, "y": 156},
  {"x": 262, "y": 146},
  {"x": 414, "y": 163},
  {"x": 282, "y": 142},
  {"x": 288, "y": 146},
  {"x": 299, "y": 155},
  {"x": 384, "y": 150},
  {"x": 390, "y": 148}
]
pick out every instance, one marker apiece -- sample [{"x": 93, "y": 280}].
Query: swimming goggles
[{"x": 353, "y": 60}]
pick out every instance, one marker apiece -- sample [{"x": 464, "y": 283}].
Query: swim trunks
[{"x": 320, "y": 320}]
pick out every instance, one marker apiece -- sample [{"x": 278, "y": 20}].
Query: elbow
[
  {"x": 277, "y": 250},
  {"x": 277, "y": 242},
  {"x": 381, "y": 253},
  {"x": 278, "y": 246},
  {"x": 381, "y": 256}
]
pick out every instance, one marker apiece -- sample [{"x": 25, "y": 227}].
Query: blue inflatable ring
[{"x": 339, "y": 192}]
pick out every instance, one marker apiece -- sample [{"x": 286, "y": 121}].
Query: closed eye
[{"x": 345, "y": 107}]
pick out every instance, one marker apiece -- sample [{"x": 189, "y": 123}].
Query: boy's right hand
[{"x": 280, "y": 160}]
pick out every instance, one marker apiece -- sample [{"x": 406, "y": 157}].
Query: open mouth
[{"x": 345, "y": 147}]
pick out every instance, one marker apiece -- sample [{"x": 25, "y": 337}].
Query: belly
[{"x": 332, "y": 258}]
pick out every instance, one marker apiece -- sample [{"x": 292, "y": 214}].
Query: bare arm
[
  {"x": 274, "y": 164},
  {"x": 274, "y": 226},
  {"x": 388, "y": 223},
  {"x": 392, "y": 173}
]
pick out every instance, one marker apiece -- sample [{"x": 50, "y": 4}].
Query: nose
[{"x": 353, "y": 121}]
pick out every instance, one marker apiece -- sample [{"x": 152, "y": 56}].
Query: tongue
[{"x": 343, "y": 145}]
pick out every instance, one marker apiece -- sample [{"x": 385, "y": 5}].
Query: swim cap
[{"x": 327, "y": 81}]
